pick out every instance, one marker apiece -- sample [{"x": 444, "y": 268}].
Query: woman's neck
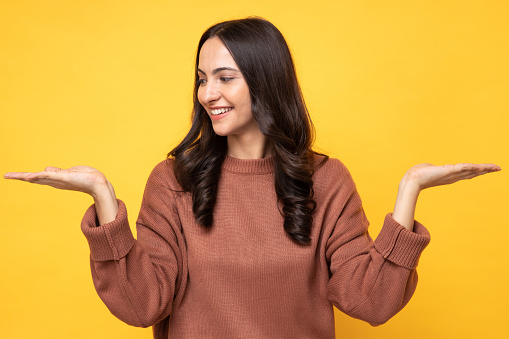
[{"x": 249, "y": 146}]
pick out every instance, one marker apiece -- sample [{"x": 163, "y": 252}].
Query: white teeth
[{"x": 220, "y": 110}]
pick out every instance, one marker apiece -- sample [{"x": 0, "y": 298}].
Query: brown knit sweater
[{"x": 245, "y": 278}]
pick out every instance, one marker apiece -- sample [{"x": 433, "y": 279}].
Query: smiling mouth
[{"x": 220, "y": 111}]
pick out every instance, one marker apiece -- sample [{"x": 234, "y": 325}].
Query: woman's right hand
[{"x": 78, "y": 178}]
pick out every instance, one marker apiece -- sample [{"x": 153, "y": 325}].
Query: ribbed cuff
[
  {"x": 110, "y": 241},
  {"x": 401, "y": 246}
]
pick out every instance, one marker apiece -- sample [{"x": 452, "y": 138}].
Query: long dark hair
[{"x": 277, "y": 105}]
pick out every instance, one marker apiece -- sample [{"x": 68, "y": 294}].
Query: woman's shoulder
[
  {"x": 163, "y": 175},
  {"x": 330, "y": 172},
  {"x": 325, "y": 165}
]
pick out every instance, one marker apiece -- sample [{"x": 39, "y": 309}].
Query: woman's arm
[
  {"x": 424, "y": 176},
  {"x": 136, "y": 279},
  {"x": 374, "y": 280}
]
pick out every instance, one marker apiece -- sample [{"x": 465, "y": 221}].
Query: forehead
[{"x": 214, "y": 54}]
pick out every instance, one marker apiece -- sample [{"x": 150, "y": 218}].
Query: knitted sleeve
[
  {"x": 371, "y": 281},
  {"x": 137, "y": 279}
]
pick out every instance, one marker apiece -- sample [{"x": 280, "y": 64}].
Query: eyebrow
[{"x": 220, "y": 69}]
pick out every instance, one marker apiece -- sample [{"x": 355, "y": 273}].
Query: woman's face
[{"x": 223, "y": 91}]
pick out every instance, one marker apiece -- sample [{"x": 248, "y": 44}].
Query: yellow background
[{"x": 389, "y": 84}]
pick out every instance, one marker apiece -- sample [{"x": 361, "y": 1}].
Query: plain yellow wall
[{"x": 389, "y": 84}]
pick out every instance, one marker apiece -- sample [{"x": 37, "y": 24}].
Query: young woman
[{"x": 244, "y": 231}]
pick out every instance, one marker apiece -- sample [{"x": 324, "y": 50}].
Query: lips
[{"x": 218, "y": 111}]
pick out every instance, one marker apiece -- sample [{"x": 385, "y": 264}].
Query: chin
[{"x": 221, "y": 133}]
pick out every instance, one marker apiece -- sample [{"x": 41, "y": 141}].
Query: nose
[{"x": 210, "y": 92}]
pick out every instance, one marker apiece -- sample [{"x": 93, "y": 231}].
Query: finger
[
  {"x": 17, "y": 175},
  {"x": 452, "y": 169},
  {"x": 25, "y": 175},
  {"x": 469, "y": 175},
  {"x": 486, "y": 169},
  {"x": 32, "y": 176},
  {"x": 54, "y": 179},
  {"x": 473, "y": 174},
  {"x": 52, "y": 169},
  {"x": 44, "y": 175},
  {"x": 47, "y": 182},
  {"x": 467, "y": 167},
  {"x": 490, "y": 167},
  {"x": 483, "y": 167}
]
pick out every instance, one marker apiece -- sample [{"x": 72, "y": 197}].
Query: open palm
[
  {"x": 427, "y": 175},
  {"x": 78, "y": 178}
]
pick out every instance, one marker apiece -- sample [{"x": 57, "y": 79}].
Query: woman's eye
[
  {"x": 225, "y": 79},
  {"x": 201, "y": 81}
]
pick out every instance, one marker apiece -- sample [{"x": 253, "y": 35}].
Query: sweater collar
[{"x": 249, "y": 166}]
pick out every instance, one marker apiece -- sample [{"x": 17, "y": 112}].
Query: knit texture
[{"x": 244, "y": 277}]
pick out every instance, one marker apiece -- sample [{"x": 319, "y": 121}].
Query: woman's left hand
[
  {"x": 427, "y": 175},
  {"x": 424, "y": 176}
]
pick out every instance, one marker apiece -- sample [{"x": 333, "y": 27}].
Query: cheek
[
  {"x": 199, "y": 95},
  {"x": 244, "y": 97},
  {"x": 248, "y": 104},
  {"x": 247, "y": 99}
]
